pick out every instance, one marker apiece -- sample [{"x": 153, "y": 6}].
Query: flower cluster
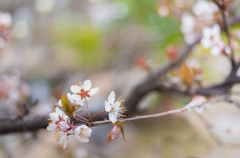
[
  {"x": 65, "y": 121},
  {"x": 192, "y": 22},
  {"x": 212, "y": 39},
  {"x": 13, "y": 91}
]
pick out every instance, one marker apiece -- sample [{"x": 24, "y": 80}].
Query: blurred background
[{"x": 53, "y": 44}]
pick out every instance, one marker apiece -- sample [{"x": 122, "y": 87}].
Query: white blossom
[
  {"x": 114, "y": 108},
  {"x": 62, "y": 138},
  {"x": 75, "y": 99},
  {"x": 205, "y": 10},
  {"x": 85, "y": 90},
  {"x": 188, "y": 28},
  {"x": 211, "y": 36},
  {"x": 60, "y": 121},
  {"x": 5, "y": 19},
  {"x": 82, "y": 133}
]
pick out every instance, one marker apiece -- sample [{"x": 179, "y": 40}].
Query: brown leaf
[
  {"x": 186, "y": 75},
  {"x": 109, "y": 139}
]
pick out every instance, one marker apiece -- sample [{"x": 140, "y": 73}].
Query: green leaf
[{"x": 67, "y": 106}]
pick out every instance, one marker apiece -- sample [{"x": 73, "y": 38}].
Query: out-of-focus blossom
[
  {"x": 163, "y": 10},
  {"x": 5, "y": 20},
  {"x": 102, "y": 13},
  {"x": 114, "y": 108},
  {"x": 211, "y": 36},
  {"x": 5, "y": 23},
  {"x": 85, "y": 91},
  {"x": 212, "y": 39},
  {"x": 204, "y": 9},
  {"x": 12, "y": 90},
  {"x": 82, "y": 133},
  {"x": 188, "y": 28},
  {"x": 44, "y": 6}
]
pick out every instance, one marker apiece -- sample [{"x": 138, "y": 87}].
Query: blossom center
[{"x": 84, "y": 93}]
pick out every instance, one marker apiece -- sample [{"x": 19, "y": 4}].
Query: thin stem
[
  {"x": 81, "y": 117},
  {"x": 87, "y": 122},
  {"x": 98, "y": 113},
  {"x": 151, "y": 116},
  {"x": 89, "y": 114}
]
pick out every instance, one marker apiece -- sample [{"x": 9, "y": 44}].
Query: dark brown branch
[{"x": 29, "y": 123}]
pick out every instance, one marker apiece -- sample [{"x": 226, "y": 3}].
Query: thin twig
[
  {"x": 98, "y": 113},
  {"x": 151, "y": 116}
]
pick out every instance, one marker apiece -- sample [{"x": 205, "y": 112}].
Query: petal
[
  {"x": 116, "y": 104},
  {"x": 107, "y": 106},
  {"x": 87, "y": 85},
  {"x": 75, "y": 89},
  {"x": 60, "y": 112},
  {"x": 52, "y": 126},
  {"x": 84, "y": 140},
  {"x": 111, "y": 98},
  {"x": 60, "y": 102},
  {"x": 64, "y": 126},
  {"x": 76, "y": 97},
  {"x": 54, "y": 117},
  {"x": 88, "y": 132},
  {"x": 112, "y": 117},
  {"x": 93, "y": 91},
  {"x": 69, "y": 96}
]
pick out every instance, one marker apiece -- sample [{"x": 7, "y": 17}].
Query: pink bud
[{"x": 115, "y": 132}]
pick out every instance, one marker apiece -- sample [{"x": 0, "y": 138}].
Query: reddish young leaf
[{"x": 186, "y": 75}]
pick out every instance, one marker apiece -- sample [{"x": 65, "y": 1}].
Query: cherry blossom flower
[
  {"x": 62, "y": 138},
  {"x": 75, "y": 99},
  {"x": 188, "y": 28},
  {"x": 85, "y": 91},
  {"x": 211, "y": 36},
  {"x": 212, "y": 39},
  {"x": 114, "y": 108},
  {"x": 82, "y": 133},
  {"x": 205, "y": 10},
  {"x": 5, "y": 20},
  {"x": 60, "y": 121}
]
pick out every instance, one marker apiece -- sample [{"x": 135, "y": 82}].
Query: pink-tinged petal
[
  {"x": 107, "y": 106},
  {"x": 52, "y": 126},
  {"x": 87, "y": 85},
  {"x": 112, "y": 117},
  {"x": 111, "y": 98},
  {"x": 93, "y": 91},
  {"x": 75, "y": 89}
]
